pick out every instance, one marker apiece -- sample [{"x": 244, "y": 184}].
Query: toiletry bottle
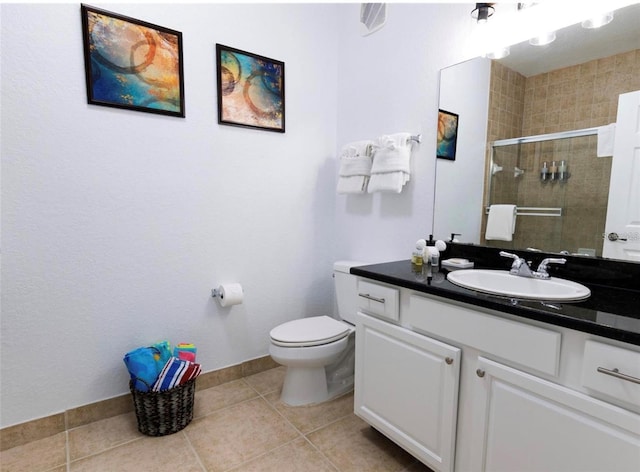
[
  {"x": 544, "y": 172},
  {"x": 417, "y": 257},
  {"x": 433, "y": 254},
  {"x": 553, "y": 172},
  {"x": 434, "y": 258},
  {"x": 563, "y": 175}
]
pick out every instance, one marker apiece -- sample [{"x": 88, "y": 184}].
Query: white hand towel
[
  {"x": 359, "y": 165},
  {"x": 391, "y": 163},
  {"x": 355, "y": 167},
  {"x": 606, "y": 139},
  {"x": 388, "y": 182},
  {"x": 501, "y": 222}
]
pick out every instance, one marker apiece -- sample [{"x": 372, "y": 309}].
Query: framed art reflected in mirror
[{"x": 447, "y": 135}]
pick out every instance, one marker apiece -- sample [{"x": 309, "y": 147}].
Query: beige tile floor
[{"x": 238, "y": 426}]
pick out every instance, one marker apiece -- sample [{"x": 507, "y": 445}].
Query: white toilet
[{"x": 319, "y": 352}]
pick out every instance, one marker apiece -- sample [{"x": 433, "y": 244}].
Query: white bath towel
[
  {"x": 355, "y": 167},
  {"x": 606, "y": 139},
  {"x": 391, "y": 168},
  {"x": 501, "y": 222}
]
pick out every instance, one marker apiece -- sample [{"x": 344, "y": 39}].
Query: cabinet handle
[
  {"x": 480, "y": 373},
  {"x": 369, "y": 297},
  {"x": 616, "y": 373},
  {"x": 448, "y": 360}
]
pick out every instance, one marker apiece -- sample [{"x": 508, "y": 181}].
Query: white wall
[
  {"x": 389, "y": 83},
  {"x": 117, "y": 224}
]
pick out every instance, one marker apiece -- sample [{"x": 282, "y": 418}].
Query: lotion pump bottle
[{"x": 433, "y": 254}]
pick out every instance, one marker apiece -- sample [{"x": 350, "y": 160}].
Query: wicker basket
[{"x": 165, "y": 412}]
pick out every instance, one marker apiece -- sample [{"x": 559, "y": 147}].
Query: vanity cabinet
[
  {"x": 526, "y": 423},
  {"x": 406, "y": 386},
  {"x": 464, "y": 388}
]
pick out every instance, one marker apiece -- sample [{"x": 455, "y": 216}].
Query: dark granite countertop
[{"x": 610, "y": 311}]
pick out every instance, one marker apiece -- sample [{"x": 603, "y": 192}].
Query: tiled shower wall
[{"x": 577, "y": 97}]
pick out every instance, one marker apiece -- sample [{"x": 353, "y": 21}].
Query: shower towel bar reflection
[
  {"x": 534, "y": 211},
  {"x": 545, "y": 137}
]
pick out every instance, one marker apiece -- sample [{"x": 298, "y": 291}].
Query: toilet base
[
  {"x": 314, "y": 387},
  {"x": 306, "y": 385}
]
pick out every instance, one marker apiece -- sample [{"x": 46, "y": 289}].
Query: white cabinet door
[
  {"x": 523, "y": 423},
  {"x": 406, "y": 386}
]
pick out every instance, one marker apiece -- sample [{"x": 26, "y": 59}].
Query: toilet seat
[{"x": 313, "y": 331}]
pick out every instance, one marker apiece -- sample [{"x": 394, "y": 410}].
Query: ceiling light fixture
[
  {"x": 598, "y": 21},
  {"x": 499, "y": 53},
  {"x": 482, "y": 12},
  {"x": 543, "y": 39}
]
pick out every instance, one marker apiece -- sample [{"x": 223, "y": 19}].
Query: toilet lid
[{"x": 309, "y": 332}]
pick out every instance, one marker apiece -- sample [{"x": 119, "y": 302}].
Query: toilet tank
[{"x": 346, "y": 290}]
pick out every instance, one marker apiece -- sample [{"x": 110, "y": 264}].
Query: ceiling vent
[{"x": 372, "y": 17}]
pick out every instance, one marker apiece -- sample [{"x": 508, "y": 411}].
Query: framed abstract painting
[
  {"x": 132, "y": 64},
  {"x": 250, "y": 90},
  {"x": 447, "y": 135}
]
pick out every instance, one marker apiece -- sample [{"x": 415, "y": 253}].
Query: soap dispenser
[{"x": 433, "y": 254}]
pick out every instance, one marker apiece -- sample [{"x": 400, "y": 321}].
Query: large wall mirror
[{"x": 532, "y": 132}]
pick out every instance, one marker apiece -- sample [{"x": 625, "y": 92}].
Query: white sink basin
[{"x": 501, "y": 282}]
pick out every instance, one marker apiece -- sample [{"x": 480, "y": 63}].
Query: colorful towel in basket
[
  {"x": 163, "y": 354},
  {"x": 185, "y": 351},
  {"x": 176, "y": 372},
  {"x": 145, "y": 364},
  {"x": 142, "y": 367}
]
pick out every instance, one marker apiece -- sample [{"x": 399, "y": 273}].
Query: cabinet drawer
[
  {"x": 525, "y": 345},
  {"x": 380, "y": 300},
  {"x": 612, "y": 371}
]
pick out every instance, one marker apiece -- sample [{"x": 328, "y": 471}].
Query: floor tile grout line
[
  {"x": 330, "y": 423},
  {"x": 193, "y": 449},
  {"x": 304, "y": 435},
  {"x": 270, "y": 451},
  {"x": 224, "y": 408},
  {"x": 102, "y": 451},
  {"x": 324, "y": 456}
]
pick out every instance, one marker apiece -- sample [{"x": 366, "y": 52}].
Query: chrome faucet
[
  {"x": 522, "y": 269},
  {"x": 519, "y": 266}
]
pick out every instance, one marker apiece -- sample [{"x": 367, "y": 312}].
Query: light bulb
[
  {"x": 598, "y": 21},
  {"x": 543, "y": 39},
  {"x": 499, "y": 53}
]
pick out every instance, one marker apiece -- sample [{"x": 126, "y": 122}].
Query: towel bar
[
  {"x": 535, "y": 211},
  {"x": 416, "y": 137}
]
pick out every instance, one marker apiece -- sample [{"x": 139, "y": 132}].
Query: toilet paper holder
[{"x": 228, "y": 294}]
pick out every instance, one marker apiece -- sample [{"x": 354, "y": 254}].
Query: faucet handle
[
  {"x": 542, "y": 268},
  {"x": 508, "y": 254},
  {"x": 519, "y": 265}
]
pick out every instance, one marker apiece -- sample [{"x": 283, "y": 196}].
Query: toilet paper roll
[{"x": 230, "y": 294}]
